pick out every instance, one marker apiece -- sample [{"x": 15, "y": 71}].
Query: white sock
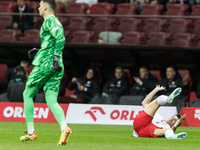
[
  {"x": 162, "y": 99},
  {"x": 30, "y": 131},
  {"x": 63, "y": 126},
  {"x": 169, "y": 133}
]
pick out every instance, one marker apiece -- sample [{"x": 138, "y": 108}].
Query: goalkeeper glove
[
  {"x": 56, "y": 65},
  {"x": 32, "y": 53}
]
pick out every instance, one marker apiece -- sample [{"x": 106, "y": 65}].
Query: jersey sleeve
[{"x": 56, "y": 30}]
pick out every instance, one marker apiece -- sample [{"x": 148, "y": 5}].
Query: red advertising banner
[
  {"x": 15, "y": 112},
  {"x": 192, "y": 116}
]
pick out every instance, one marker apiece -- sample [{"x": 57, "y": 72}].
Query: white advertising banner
[{"x": 109, "y": 114}]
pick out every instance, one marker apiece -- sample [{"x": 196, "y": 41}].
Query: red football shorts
[{"x": 143, "y": 126}]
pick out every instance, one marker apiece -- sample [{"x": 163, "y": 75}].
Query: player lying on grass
[{"x": 148, "y": 123}]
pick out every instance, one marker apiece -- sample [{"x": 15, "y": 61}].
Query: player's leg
[
  {"x": 51, "y": 95},
  {"x": 35, "y": 81},
  {"x": 152, "y": 107},
  {"x": 169, "y": 134}
]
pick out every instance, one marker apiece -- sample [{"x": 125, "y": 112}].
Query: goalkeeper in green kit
[{"x": 48, "y": 72}]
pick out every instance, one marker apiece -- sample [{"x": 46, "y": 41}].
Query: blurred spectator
[
  {"x": 16, "y": 86},
  {"x": 22, "y": 22},
  {"x": 11, "y": 72},
  {"x": 85, "y": 88},
  {"x": 66, "y": 2},
  {"x": 113, "y": 89},
  {"x": 140, "y": 3},
  {"x": 144, "y": 84},
  {"x": 109, "y": 37},
  {"x": 89, "y": 2},
  {"x": 171, "y": 82}
]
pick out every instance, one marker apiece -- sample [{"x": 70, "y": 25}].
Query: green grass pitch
[{"x": 92, "y": 137}]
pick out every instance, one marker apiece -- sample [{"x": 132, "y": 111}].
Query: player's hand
[
  {"x": 81, "y": 88},
  {"x": 56, "y": 65},
  {"x": 182, "y": 118},
  {"x": 137, "y": 80},
  {"x": 159, "y": 88},
  {"x": 32, "y": 53}
]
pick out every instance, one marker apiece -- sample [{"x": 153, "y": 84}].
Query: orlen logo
[
  {"x": 18, "y": 112},
  {"x": 93, "y": 110},
  {"x": 197, "y": 114}
]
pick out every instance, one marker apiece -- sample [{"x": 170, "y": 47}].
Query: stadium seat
[
  {"x": 33, "y": 4},
  {"x": 128, "y": 73},
  {"x": 5, "y": 21},
  {"x": 60, "y": 7},
  {"x": 162, "y": 23},
  {"x": 177, "y": 9},
  {"x": 38, "y": 20},
  {"x": 129, "y": 24},
  {"x": 99, "y": 76},
  {"x": 83, "y": 37},
  {"x": 158, "y": 39},
  {"x": 126, "y": 9},
  {"x": 193, "y": 97},
  {"x": 149, "y": 28},
  {"x": 5, "y": 6},
  {"x": 77, "y": 8},
  {"x": 156, "y": 74},
  {"x": 80, "y": 20},
  {"x": 102, "y": 8},
  {"x": 9, "y": 35},
  {"x": 29, "y": 34},
  {"x": 97, "y": 28},
  {"x": 30, "y": 68},
  {"x": 104, "y": 20},
  {"x": 184, "y": 40},
  {"x": 196, "y": 29},
  {"x": 183, "y": 73},
  {"x": 174, "y": 29},
  {"x": 3, "y": 69},
  {"x": 133, "y": 38},
  {"x": 152, "y": 9},
  {"x": 195, "y": 10},
  {"x": 69, "y": 92}
]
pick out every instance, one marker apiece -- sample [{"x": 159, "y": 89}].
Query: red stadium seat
[
  {"x": 83, "y": 37},
  {"x": 126, "y": 9},
  {"x": 9, "y": 35},
  {"x": 193, "y": 97},
  {"x": 161, "y": 23},
  {"x": 5, "y": 6},
  {"x": 149, "y": 28},
  {"x": 128, "y": 73},
  {"x": 33, "y": 4},
  {"x": 158, "y": 39},
  {"x": 156, "y": 74},
  {"x": 129, "y": 24},
  {"x": 184, "y": 40},
  {"x": 152, "y": 9},
  {"x": 29, "y": 34},
  {"x": 133, "y": 38},
  {"x": 102, "y": 8},
  {"x": 60, "y": 7},
  {"x": 174, "y": 29},
  {"x": 196, "y": 29},
  {"x": 177, "y": 9},
  {"x": 69, "y": 92},
  {"x": 195, "y": 10},
  {"x": 183, "y": 73},
  {"x": 5, "y": 21},
  {"x": 3, "y": 69},
  {"x": 77, "y": 8}
]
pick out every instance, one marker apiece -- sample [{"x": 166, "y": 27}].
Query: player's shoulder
[{"x": 52, "y": 21}]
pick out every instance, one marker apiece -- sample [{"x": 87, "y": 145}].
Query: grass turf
[{"x": 92, "y": 137}]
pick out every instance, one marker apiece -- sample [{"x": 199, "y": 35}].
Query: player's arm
[
  {"x": 148, "y": 98},
  {"x": 56, "y": 31},
  {"x": 178, "y": 122}
]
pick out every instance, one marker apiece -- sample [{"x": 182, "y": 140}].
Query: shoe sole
[
  {"x": 180, "y": 136},
  {"x": 175, "y": 93}
]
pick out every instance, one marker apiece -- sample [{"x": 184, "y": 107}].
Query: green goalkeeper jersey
[{"x": 52, "y": 42}]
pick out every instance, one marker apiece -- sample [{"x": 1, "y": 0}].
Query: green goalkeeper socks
[{"x": 51, "y": 99}]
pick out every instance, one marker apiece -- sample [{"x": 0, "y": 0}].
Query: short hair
[
  {"x": 144, "y": 67},
  {"x": 120, "y": 68},
  {"x": 52, "y": 3},
  {"x": 173, "y": 67}
]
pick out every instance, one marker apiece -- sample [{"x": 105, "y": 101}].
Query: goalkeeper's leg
[
  {"x": 28, "y": 95},
  {"x": 51, "y": 99}
]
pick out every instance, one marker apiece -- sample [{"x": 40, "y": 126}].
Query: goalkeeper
[
  {"x": 48, "y": 72},
  {"x": 148, "y": 123}
]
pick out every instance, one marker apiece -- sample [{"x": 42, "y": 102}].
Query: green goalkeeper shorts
[{"x": 44, "y": 76}]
